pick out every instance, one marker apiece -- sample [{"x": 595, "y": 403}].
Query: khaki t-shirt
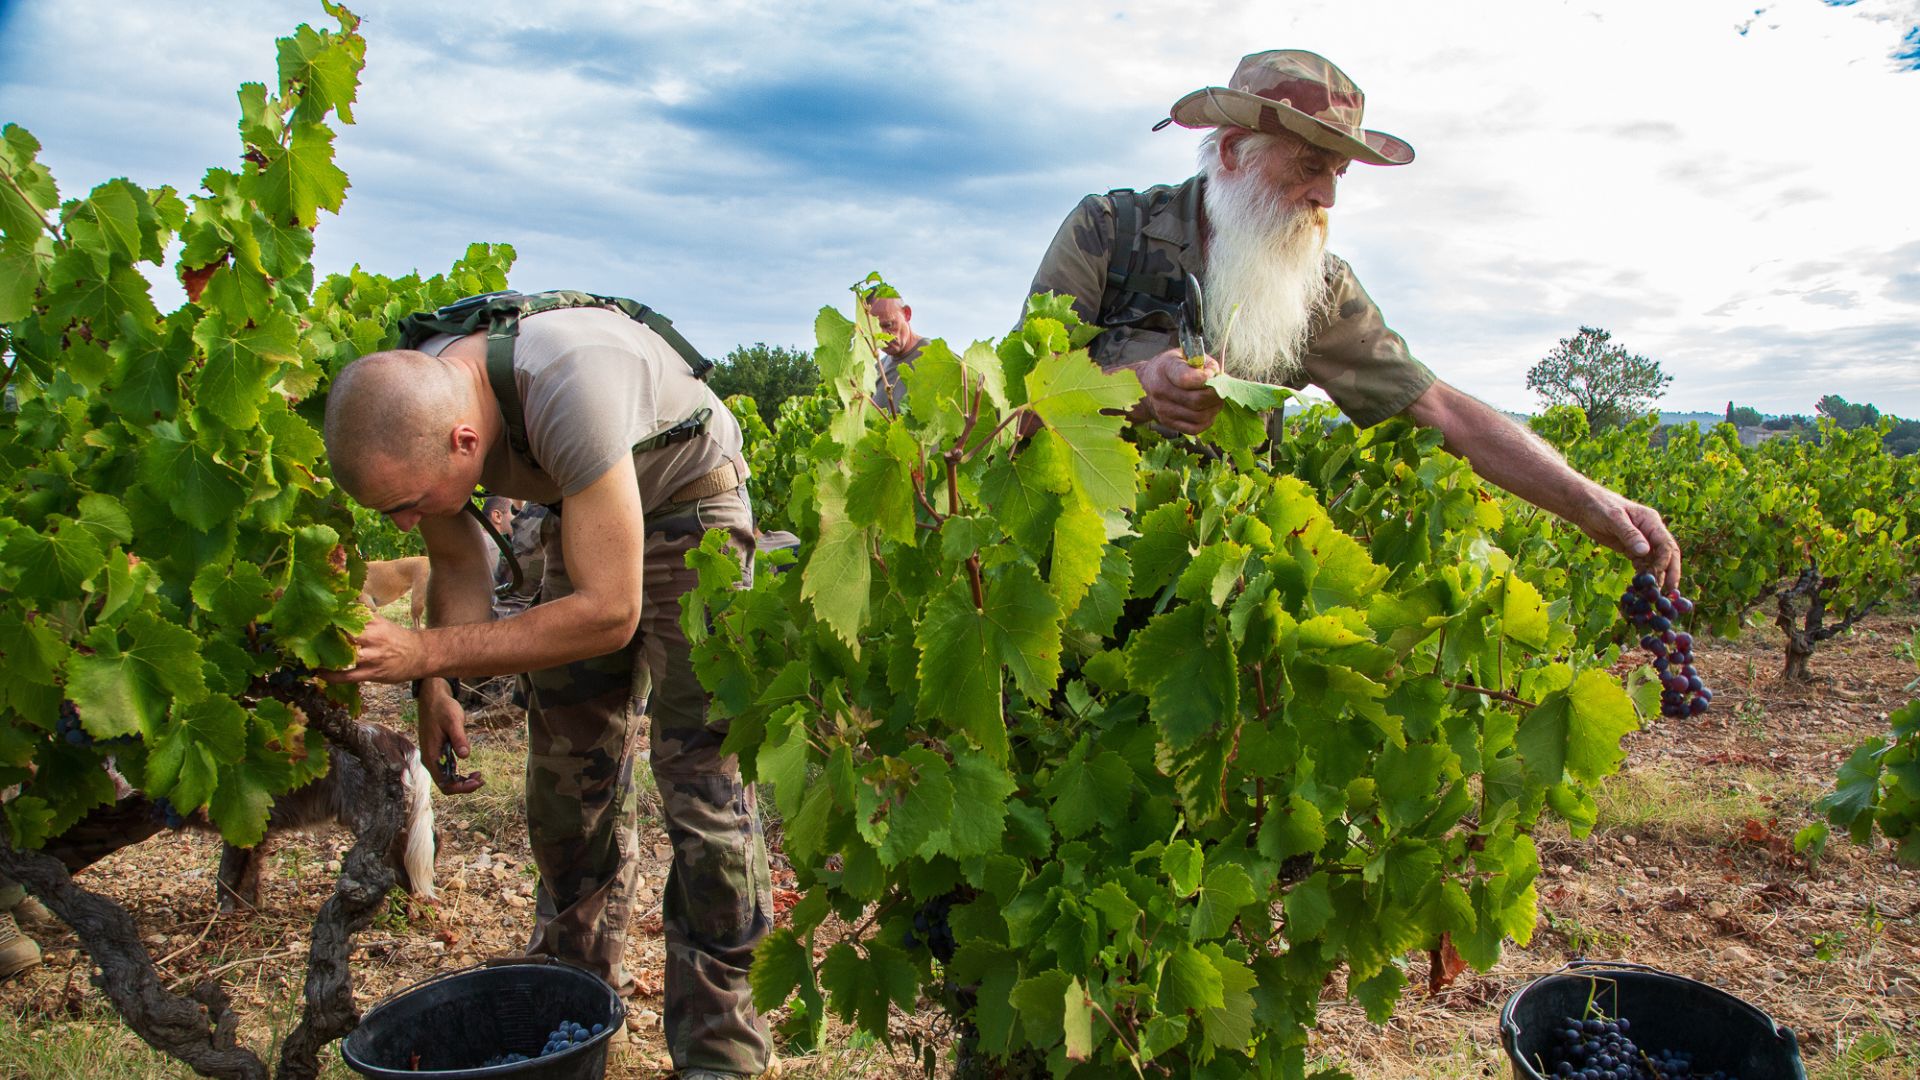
[{"x": 592, "y": 384}]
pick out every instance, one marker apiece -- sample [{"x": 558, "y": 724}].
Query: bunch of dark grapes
[
  {"x": 1682, "y": 693},
  {"x": 68, "y": 727},
  {"x": 287, "y": 677},
  {"x": 930, "y": 926},
  {"x": 1599, "y": 1049},
  {"x": 164, "y": 812},
  {"x": 565, "y": 1037}
]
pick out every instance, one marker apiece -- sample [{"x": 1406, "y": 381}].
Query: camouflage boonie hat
[{"x": 1297, "y": 91}]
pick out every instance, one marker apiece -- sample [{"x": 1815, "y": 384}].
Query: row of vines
[{"x": 1122, "y": 748}]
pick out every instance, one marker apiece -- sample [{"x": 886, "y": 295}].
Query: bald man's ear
[{"x": 464, "y": 440}]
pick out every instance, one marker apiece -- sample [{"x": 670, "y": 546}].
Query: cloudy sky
[{"x": 1728, "y": 190}]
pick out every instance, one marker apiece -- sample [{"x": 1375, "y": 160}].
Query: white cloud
[{"x": 1735, "y": 204}]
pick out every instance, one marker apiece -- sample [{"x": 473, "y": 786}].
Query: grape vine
[{"x": 1155, "y": 736}]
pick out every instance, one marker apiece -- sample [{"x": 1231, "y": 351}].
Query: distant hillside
[{"x": 1701, "y": 419}]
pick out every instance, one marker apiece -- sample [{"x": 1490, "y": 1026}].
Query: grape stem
[{"x": 1497, "y": 695}]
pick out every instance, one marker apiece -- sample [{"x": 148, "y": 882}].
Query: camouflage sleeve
[
  {"x": 1358, "y": 360},
  {"x": 1076, "y": 262}
]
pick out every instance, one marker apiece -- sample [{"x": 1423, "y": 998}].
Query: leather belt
[{"x": 723, "y": 479}]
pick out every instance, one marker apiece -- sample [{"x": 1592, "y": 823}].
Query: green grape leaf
[
  {"x": 960, "y": 673},
  {"x": 1071, "y": 395},
  {"x": 1087, "y": 790},
  {"x": 1190, "y": 981},
  {"x": 1183, "y": 661},
  {"x": 781, "y": 965},
  {"x": 1227, "y": 889},
  {"x": 980, "y": 791},
  {"x": 302, "y": 180},
  {"x": 838, "y": 574},
  {"x": 54, "y": 562},
  {"x": 1040, "y": 1000},
  {"x": 203, "y": 490},
  {"x": 1577, "y": 731},
  {"x": 880, "y": 493},
  {"x": 241, "y": 361}
]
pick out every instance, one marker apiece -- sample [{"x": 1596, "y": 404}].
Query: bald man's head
[{"x": 397, "y": 407}]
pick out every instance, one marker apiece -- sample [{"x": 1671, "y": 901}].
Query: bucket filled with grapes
[
  {"x": 1614, "y": 1020},
  {"x": 533, "y": 1020},
  {"x": 1659, "y": 617}
]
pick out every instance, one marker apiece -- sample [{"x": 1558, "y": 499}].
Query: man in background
[
  {"x": 1278, "y": 307},
  {"x": 896, "y": 355}
]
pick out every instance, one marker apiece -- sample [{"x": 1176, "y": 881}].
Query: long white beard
[{"x": 1266, "y": 278}]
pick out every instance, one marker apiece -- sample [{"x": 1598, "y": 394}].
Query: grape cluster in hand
[
  {"x": 930, "y": 926},
  {"x": 1599, "y": 1049},
  {"x": 1681, "y": 691},
  {"x": 565, "y": 1037}
]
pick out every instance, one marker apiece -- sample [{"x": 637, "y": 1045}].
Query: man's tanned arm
[
  {"x": 602, "y": 546},
  {"x": 1505, "y": 454}
]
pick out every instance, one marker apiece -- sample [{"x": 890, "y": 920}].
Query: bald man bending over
[{"x": 410, "y": 434}]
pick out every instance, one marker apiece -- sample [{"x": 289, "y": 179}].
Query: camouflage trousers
[{"x": 582, "y": 809}]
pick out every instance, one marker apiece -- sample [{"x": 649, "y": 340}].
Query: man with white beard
[{"x": 1279, "y": 308}]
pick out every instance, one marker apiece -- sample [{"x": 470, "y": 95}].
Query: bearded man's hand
[{"x": 1177, "y": 393}]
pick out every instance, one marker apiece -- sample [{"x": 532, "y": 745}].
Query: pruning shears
[
  {"x": 1193, "y": 334},
  {"x": 449, "y": 764}
]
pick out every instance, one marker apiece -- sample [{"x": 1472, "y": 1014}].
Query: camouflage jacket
[{"x": 1352, "y": 354}]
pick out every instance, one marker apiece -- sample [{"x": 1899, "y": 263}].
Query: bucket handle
[
  {"x": 1580, "y": 963},
  {"x": 537, "y": 959}
]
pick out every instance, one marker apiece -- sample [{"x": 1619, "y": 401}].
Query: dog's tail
[{"x": 419, "y": 826}]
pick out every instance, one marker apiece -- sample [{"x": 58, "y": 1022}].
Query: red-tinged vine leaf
[
  {"x": 1077, "y": 1022},
  {"x": 194, "y": 280},
  {"x": 1444, "y": 965}
]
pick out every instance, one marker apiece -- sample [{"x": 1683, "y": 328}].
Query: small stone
[
  {"x": 633, "y": 1022},
  {"x": 648, "y": 1019},
  {"x": 663, "y": 852},
  {"x": 1718, "y": 910},
  {"x": 456, "y": 883},
  {"x": 436, "y": 947},
  {"x": 526, "y": 888},
  {"x": 155, "y": 941},
  {"x": 333, "y": 866},
  {"x": 1630, "y": 840}
]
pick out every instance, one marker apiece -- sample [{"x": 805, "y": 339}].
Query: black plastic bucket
[
  {"x": 456, "y": 1021},
  {"x": 1668, "y": 1012}
]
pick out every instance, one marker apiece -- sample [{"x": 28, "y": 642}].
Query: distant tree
[
  {"x": 1744, "y": 416},
  {"x": 1845, "y": 413},
  {"x": 1904, "y": 439},
  {"x": 770, "y": 374},
  {"x": 1590, "y": 370}
]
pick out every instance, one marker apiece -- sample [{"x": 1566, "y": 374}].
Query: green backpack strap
[
  {"x": 1124, "y": 276},
  {"x": 499, "y": 314}
]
